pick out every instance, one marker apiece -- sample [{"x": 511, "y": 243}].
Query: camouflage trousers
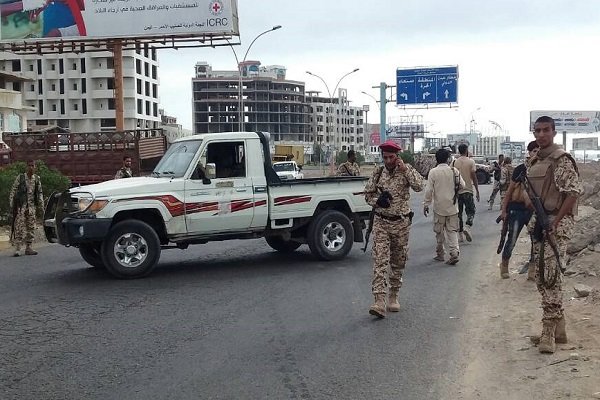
[
  {"x": 552, "y": 299},
  {"x": 446, "y": 234},
  {"x": 390, "y": 249},
  {"x": 24, "y": 227}
]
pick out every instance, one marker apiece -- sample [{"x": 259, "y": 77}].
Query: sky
[{"x": 513, "y": 56}]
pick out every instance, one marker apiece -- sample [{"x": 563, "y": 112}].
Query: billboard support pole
[
  {"x": 565, "y": 140},
  {"x": 118, "y": 66}
]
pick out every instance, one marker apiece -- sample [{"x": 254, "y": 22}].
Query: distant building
[
  {"x": 335, "y": 124},
  {"x": 271, "y": 102},
  {"x": 76, "y": 90},
  {"x": 13, "y": 108},
  {"x": 171, "y": 129}
]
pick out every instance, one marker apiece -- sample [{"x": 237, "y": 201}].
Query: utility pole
[{"x": 382, "y": 105}]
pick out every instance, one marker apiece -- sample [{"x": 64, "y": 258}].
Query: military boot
[
  {"x": 17, "y": 252},
  {"x": 393, "y": 305},
  {"x": 378, "y": 308},
  {"x": 504, "y": 269},
  {"x": 531, "y": 272},
  {"x": 560, "y": 334},
  {"x": 29, "y": 251},
  {"x": 547, "y": 344}
]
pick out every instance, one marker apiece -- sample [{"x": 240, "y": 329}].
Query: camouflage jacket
[
  {"x": 348, "y": 169},
  {"x": 398, "y": 184},
  {"x": 124, "y": 173},
  {"x": 26, "y": 192}
]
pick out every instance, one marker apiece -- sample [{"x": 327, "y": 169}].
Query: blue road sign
[{"x": 427, "y": 85}]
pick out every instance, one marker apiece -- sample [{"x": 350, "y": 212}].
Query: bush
[
  {"x": 52, "y": 181},
  {"x": 407, "y": 157}
]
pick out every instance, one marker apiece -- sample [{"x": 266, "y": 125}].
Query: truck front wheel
[
  {"x": 90, "y": 252},
  {"x": 280, "y": 244},
  {"x": 330, "y": 235},
  {"x": 131, "y": 249}
]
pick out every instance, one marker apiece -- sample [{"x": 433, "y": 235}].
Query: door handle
[
  {"x": 239, "y": 190},
  {"x": 199, "y": 194}
]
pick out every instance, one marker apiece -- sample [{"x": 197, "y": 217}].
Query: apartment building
[
  {"x": 271, "y": 103},
  {"x": 76, "y": 91},
  {"x": 334, "y": 123},
  {"x": 13, "y": 110}
]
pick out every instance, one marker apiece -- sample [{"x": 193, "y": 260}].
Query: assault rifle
[
  {"x": 503, "y": 233},
  {"x": 388, "y": 197},
  {"x": 543, "y": 232},
  {"x": 372, "y": 214}
]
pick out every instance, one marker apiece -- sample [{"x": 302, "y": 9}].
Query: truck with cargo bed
[
  {"x": 89, "y": 157},
  {"x": 210, "y": 187}
]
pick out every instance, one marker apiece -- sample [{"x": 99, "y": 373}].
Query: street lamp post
[
  {"x": 241, "y": 111},
  {"x": 331, "y": 102}
]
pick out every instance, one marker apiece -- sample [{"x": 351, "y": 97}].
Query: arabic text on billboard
[
  {"x": 571, "y": 121},
  {"x": 31, "y": 20}
]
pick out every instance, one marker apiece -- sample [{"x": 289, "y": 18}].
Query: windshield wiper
[
  {"x": 168, "y": 173},
  {"x": 155, "y": 173}
]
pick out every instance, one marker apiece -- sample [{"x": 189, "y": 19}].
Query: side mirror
[
  {"x": 211, "y": 170},
  {"x": 299, "y": 167}
]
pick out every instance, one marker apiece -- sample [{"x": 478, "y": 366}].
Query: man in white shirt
[
  {"x": 443, "y": 185},
  {"x": 467, "y": 169}
]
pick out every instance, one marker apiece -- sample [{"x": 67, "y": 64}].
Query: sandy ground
[{"x": 503, "y": 364}]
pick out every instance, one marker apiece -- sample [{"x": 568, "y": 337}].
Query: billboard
[
  {"x": 35, "y": 20},
  {"x": 570, "y": 121},
  {"x": 585, "y": 144},
  {"x": 404, "y": 131}
]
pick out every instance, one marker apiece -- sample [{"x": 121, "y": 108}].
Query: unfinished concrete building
[{"x": 270, "y": 102}]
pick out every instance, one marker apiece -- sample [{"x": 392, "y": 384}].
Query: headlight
[{"x": 86, "y": 203}]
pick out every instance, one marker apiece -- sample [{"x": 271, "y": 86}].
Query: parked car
[{"x": 287, "y": 170}]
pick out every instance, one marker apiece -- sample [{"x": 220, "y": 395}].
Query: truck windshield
[
  {"x": 281, "y": 167},
  {"x": 177, "y": 159}
]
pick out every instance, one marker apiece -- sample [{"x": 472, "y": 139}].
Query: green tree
[
  {"x": 318, "y": 149},
  {"x": 342, "y": 157},
  {"x": 52, "y": 181}
]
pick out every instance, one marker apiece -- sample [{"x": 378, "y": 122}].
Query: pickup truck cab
[
  {"x": 210, "y": 187},
  {"x": 288, "y": 170}
]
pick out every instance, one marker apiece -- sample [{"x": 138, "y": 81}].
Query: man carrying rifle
[
  {"x": 516, "y": 213},
  {"x": 388, "y": 192},
  {"x": 553, "y": 185},
  {"x": 25, "y": 199}
]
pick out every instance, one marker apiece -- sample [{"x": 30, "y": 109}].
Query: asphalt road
[{"x": 236, "y": 320}]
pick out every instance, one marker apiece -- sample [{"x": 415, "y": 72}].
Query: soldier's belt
[{"x": 394, "y": 217}]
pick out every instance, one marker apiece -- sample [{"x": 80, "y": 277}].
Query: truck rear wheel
[
  {"x": 280, "y": 244},
  {"x": 330, "y": 235},
  {"x": 90, "y": 252},
  {"x": 131, "y": 249}
]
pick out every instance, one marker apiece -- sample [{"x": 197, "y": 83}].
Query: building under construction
[{"x": 270, "y": 102}]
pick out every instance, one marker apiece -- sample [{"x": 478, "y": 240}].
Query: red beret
[{"x": 390, "y": 146}]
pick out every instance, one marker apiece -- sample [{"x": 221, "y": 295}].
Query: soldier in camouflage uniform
[
  {"x": 350, "y": 167},
  {"x": 125, "y": 170},
  {"x": 25, "y": 199},
  {"x": 554, "y": 177},
  {"x": 388, "y": 191}
]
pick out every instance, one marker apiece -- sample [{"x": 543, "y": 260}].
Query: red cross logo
[{"x": 216, "y": 8}]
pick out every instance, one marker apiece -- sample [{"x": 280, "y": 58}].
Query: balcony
[{"x": 11, "y": 99}]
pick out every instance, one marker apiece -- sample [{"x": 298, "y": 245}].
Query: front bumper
[{"x": 62, "y": 224}]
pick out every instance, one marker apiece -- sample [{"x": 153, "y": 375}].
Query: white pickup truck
[
  {"x": 206, "y": 188},
  {"x": 287, "y": 170}
]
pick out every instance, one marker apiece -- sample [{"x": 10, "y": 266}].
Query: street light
[
  {"x": 241, "y": 111},
  {"x": 331, "y": 100}
]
